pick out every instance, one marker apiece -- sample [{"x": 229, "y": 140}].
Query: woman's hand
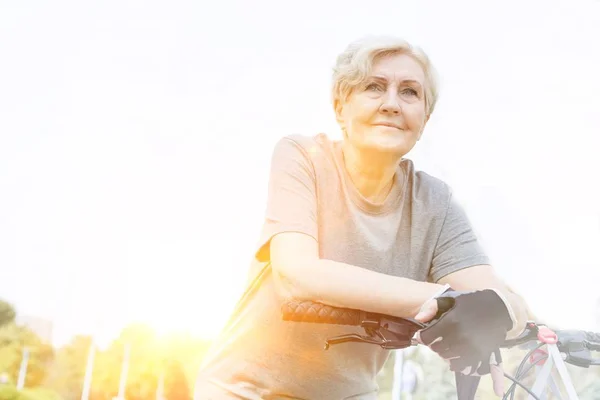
[
  {"x": 466, "y": 329},
  {"x": 427, "y": 311}
]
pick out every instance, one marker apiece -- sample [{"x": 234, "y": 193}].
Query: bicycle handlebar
[
  {"x": 392, "y": 332},
  {"x": 309, "y": 311}
]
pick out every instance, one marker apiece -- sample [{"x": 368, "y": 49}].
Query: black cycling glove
[{"x": 468, "y": 330}]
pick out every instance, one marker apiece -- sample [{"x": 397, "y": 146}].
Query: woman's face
[{"x": 386, "y": 112}]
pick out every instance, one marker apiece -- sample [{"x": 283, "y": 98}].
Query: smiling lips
[{"x": 389, "y": 124}]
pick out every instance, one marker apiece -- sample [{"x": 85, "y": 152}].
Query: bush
[
  {"x": 39, "y": 394},
  {"x": 9, "y": 392}
]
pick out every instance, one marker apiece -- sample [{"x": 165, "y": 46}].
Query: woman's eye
[
  {"x": 410, "y": 92},
  {"x": 374, "y": 87}
]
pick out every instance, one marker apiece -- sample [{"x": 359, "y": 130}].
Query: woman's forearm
[{"x": 344, "y": 285}]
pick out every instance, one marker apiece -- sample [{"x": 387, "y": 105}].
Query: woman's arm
[{"x": 295, "y": 261}]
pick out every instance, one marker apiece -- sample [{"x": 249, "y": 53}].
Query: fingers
[
  {"x": 428, "y": 311},
  {"x": 497, "y": 373},
  {"x": 417, "y": 337}
]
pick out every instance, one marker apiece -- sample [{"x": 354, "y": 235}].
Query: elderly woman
[{"x": 353, "y": 224}]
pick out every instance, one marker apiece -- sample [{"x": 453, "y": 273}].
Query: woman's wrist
[
  {"x": 433, "y": 290},
  {"x": 440, "y": 291}
]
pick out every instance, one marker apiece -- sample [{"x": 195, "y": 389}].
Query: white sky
[{"x": 135, "y": 140}]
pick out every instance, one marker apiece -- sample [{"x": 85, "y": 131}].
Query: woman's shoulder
[
  {"x": 307, "y": 142},
  {"x": 426, "y": 187},
  {"x": 310, "y": 146}
]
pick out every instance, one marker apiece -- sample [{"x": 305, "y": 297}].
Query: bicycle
[{"x": 392, "y": 333}]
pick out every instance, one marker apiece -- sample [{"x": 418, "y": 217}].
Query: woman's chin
[{"x": 388, "y": 147}]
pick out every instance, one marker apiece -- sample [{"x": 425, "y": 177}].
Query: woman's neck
[{"x": 372, "y": 175}]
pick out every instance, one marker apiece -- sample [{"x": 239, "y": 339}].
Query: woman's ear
[{"x": 339, "y": 109}]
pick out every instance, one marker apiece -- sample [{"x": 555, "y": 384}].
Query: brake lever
[
  {"x": 573, "y": 346},
  {"x": 388, "y": 333},
  {"x": 388, "y": 344},
  {"x": 353, "y": 337}
]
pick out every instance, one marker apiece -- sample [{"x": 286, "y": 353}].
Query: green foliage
[
  {"x": 9, "y": 392},
  {"x": 177, "y": 357},
  {"x": 438, "y": 380},
  {"x": 13, "y": 339},
  {"x": 7, "y": 313},
  {"x": 39, "y": 394},
  {"x": 68, "y": 369},
  {"x": 59, "y": 375},
  {"x": 176, "y": 383}
]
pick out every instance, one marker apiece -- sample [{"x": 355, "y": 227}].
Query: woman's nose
[{"x": 390, "y": 104}]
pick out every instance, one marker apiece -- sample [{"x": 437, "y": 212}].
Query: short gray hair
[{"x": 355, "y": 63}]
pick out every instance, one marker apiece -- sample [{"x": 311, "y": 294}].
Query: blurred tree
[
  {"x": 189, "y": 351},
  {"x": 7, "y": 313},
  {"x": 146, "y": 359},
  {"x": 13, "y": 339},
  {"x": 107, "y": 370},
  {"x": 142, "y": 374},
  {"x": 9, "y": 392},
  {"x": 178, "y": 356},
  {"x": 176, "y": 386},
  {"x": 438, "y": 380},
  {"x": 68, "y": 368},
  {"x": 39, "y": 394}
]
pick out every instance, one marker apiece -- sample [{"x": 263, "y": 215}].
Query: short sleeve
[
  {"x": 457, "y": 246},
  {"x": 292, "y": 200}
]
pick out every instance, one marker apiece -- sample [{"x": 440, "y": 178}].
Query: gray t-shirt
[{"x": 418, "y": 232}]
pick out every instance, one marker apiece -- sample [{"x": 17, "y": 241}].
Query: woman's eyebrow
[{"x": 403, "y": 81}]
